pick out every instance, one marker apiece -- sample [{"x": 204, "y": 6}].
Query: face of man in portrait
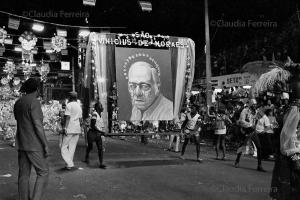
[{"x": 143, "y": 85}]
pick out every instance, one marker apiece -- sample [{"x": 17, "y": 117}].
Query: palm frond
[{"x": 267, "y": 80}]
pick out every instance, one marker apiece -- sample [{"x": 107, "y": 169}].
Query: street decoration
[
  {"x": 4, "y": 81},
  {"x": 3, "y": 35},
  {"x": 16, "y": 81},
  {"x": 28, "y": 40},
  {"x": 10, "y": 69},
  {"x": 27, "y": 70},
  {"x": 43, "y": 70},
  {"x": 58, "y": 43}
]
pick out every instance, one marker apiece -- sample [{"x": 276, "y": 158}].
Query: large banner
[{"x": 144, "y": 82}]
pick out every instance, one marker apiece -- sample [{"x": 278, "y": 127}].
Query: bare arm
[
  {"x": 228, "y": 119},
  {"x": 67, "y": 121}
]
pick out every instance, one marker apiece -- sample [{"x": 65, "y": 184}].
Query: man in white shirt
[
  {"x": 72, "y": 130},
  {"x": 247, "y": 122},
  {"x": 192, "y": 131}
]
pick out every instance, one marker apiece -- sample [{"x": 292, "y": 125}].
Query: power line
[{"x": 61, "y": 25}]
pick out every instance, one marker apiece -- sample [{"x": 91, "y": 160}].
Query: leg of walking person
[
  {"x": 171, "y": 142},
  {"x": 197, "y": 143},
  {"x": 222, "y": 138},
  {"x": 255, "y": 139},
  {"x": 40, "y": 164},
  {"x": 24, "y": 176},
  {"x": 65, "y": 150},
  {"x": 177, "y": 143},
  {"x": 218, "y": 138},
  {"x": 240, "y": 150},
  {"x": 72, "y": 146},
  {"x": 185, "y": 143},
  {"x": 90, "y": 140},
  {"x": 100, "y": 151}
]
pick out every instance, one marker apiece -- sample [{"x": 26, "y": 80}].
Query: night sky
[{"x": 170, "y": 17}]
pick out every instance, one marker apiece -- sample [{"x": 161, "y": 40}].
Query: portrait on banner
[{"x": 144, "y": 82}]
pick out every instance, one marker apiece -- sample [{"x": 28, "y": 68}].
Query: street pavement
[{"x": 142, "y": 172}]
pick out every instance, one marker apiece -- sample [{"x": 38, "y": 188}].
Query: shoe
[
  {"x": 70, "y": 168},
  {"x": 236, "y": 165},
  {"x": 102, "y": 166},
  {"x": 176, "y": 151},
  {"x": 261, "y": 169},
  {"x": 199, "y": 160}
]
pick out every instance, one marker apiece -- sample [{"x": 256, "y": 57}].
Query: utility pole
[
  {"x": 73, "y": 74},
  {"x": 207, "y": 53}
]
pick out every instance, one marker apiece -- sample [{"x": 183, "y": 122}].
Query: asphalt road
[{"x": 143, "y": 172}]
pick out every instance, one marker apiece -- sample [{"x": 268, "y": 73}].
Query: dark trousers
[
  {"x": 220, "y": 142},
  {"x": 94, "y": 136},
  {"x": 267, "y": 145},
  {"x": 196, "y": 140},
  {"x": 26, "y": 160},
  {"x": 255, "y": 138}
]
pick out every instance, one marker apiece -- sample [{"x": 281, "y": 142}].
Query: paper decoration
[
  {"x": 16, "y": 81},
  {"x": 43, "y": 70},
  {"x": 47, "y": 45},
  {"x": 89, "y": 2},
  {"x": 27, "y": 56},
  {"x": 65, "y": 65},
  {"x": 146, "y": 6},
  {"x": 61, "y": 32},
  {"x": 28, "y": 40},
  {"x": 4, "y": 81},
  {"x": 58, "y": 43},
  {"x": 13, "y": 23},
  {"x": 3, "y": 35},
  {"x": 9, "y": 67},
  {"x": 27, "y": 70}
]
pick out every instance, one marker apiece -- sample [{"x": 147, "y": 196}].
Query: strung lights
[{"x": 38, "y": 27}]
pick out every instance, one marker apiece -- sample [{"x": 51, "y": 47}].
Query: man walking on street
[
  {"x": 31, "y": 142},
  {"x": 72, "y": 130}
]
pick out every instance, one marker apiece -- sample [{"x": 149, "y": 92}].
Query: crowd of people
[{"x": 258, "y": 122}]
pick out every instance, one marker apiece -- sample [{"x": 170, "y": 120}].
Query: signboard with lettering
[{"x": 230, "y": 80}]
